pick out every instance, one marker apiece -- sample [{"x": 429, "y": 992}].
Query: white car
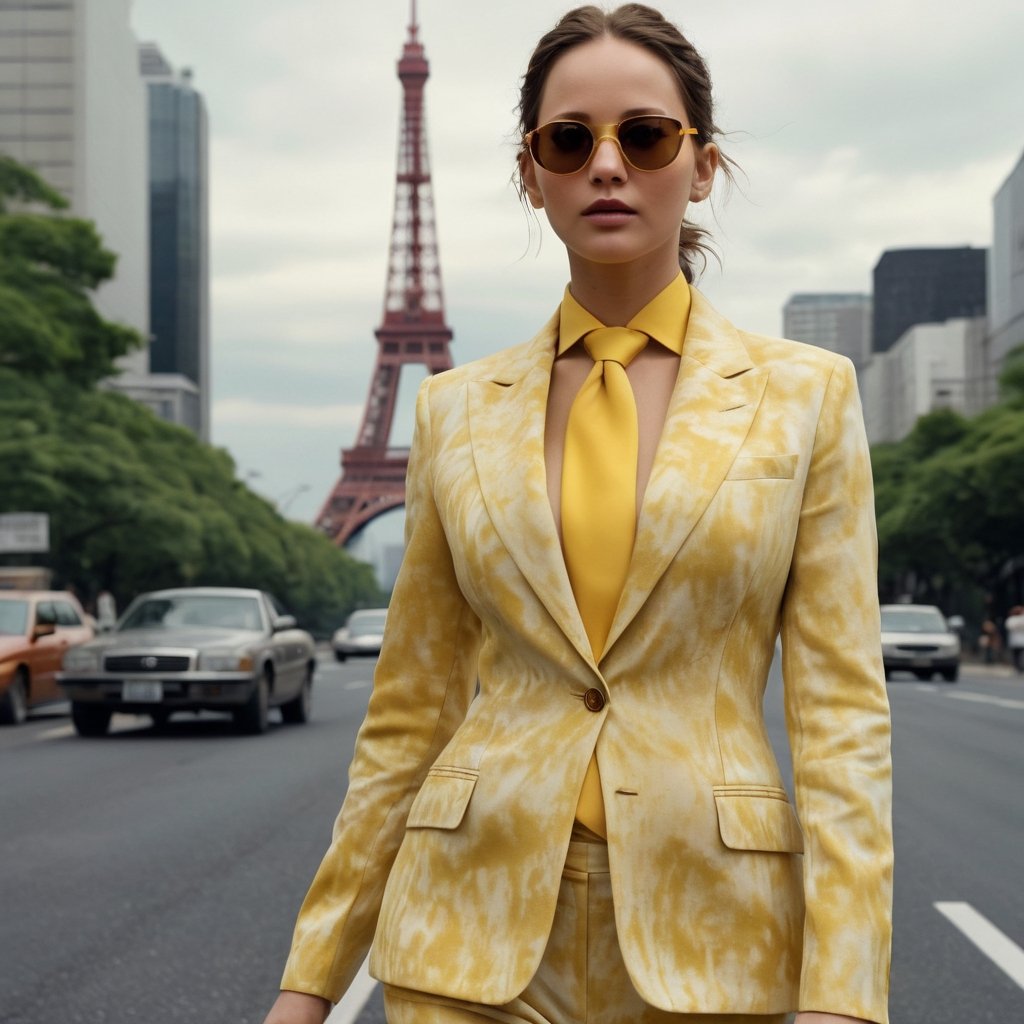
[
  {"x": 917, "y": 638},
  {"x": 361, "y": 635}
]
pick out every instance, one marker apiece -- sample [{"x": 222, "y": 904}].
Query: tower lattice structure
[{"x": 413, "y": 330}]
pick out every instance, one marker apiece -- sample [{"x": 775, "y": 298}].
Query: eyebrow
[{"x": 579, "y": 115}]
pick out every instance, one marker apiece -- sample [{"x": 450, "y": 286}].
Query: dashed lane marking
[
  {"x": 56, "y": 733},
  {"x": 999, "y": 948},
  {"x": 356, "y": 684},
  {"x": 355, "y": 998},
  {"x": 984, "y": 698}
]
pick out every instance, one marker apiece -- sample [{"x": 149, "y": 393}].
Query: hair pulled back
[{"x": 646, "y": 27}]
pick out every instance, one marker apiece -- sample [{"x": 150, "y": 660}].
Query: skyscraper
[
  {"x": 838, "y": 321},
  {"x": 179, "y": 236},
  {"x": 1006, "y": 269},
  {"x": 925, "y": 286}
]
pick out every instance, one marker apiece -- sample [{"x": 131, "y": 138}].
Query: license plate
[
  {"x": 142, "y": 691},
  {"x": 922, "y": 663}
]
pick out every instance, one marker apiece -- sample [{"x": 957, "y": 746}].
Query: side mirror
[
  {"x": 43, "y": 629},
  {"x": 283, "y": 622}
]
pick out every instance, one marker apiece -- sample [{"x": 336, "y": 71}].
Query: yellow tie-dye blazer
[{"x": 758, "y": 518}]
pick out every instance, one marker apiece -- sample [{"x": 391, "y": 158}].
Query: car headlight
[
  {"x": 80, "y": 659},
  {"x": 225, "y": 661}
]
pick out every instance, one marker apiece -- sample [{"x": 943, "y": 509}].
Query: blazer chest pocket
[
  {"x": 763, "y": 467},
  {"x": 443, "y": 798},
  {"x": 758, "y": 818}
]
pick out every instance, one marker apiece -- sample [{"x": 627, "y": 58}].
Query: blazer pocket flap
[
  {"x": 758, "y": 818},
  {"x": 763, "y": 467},
  {"x": 442, "y": 799}
]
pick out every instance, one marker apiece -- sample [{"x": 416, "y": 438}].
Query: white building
[
  {"x": 73, "y": 107},
  {"x": 1006, "y": 270},
  {"x": 838, "y": 321},
  {"x": 931, "y": 366}
]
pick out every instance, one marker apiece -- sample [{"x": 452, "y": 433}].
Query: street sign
[{"x": 24, "y": 531}]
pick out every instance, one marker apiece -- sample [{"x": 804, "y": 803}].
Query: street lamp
[{"x": 289, "y": 496}]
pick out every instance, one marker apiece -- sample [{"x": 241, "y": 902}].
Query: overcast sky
[{"x": 859, "y": 127}]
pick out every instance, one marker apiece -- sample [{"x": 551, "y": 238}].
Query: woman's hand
[
  {"x": 813, "y": 1017},
  {"x": 298, "y": 1008}
]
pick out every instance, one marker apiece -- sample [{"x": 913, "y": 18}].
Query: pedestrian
[
  {"x": 106, "y": 611},
  {"x": 563, "y": 805},
  {"x": 1014, "y": 626}
]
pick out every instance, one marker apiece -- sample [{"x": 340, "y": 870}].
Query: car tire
[
  {"x": 339, "y": 655},
  {"x": 252, "y": 719},
  {"x": 14, "y": 703},
  {"x": 951, "y": 674},
  {"x": 888, "y": 673},
  {"x": 90, "y": 719},
  {"x": 297, "y": 710}
]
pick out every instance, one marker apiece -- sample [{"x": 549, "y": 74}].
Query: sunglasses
[{"x": 647, "y": 142}]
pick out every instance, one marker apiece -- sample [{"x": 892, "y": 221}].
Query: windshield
[
  {"x": 367, "y": 622},
  {"x": 202, "y": 610},
  {"x": 13, "y": 617},
  {"x": 912, "y": 620}
]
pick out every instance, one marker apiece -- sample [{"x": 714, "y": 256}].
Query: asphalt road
[{"x": 154, "y": 877}]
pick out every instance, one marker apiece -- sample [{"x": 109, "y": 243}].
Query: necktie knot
[{"x": 617, "y": 344}]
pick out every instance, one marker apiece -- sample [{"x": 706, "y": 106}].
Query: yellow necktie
[{"x": 599, "y": 504}]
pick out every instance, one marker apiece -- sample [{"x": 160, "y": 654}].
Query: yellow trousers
[{"x": 581, "y": 979}]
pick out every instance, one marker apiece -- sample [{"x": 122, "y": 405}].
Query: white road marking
[
  {"x": 999, "y": 948},
  {"x": 354, "y": 999},
  {"x": 927, "y": 687},
  {"x": 356, "y": 684},
  {"x": 984, "y": 698},
  {"x": 56, "y": 733}
]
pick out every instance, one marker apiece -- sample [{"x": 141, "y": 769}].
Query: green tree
[
  {"x": 134, "y": 503},
  {"x": 49, "y": 266}
]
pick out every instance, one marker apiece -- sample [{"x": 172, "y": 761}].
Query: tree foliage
[
  {"x": 134, "y": 503},
  {"x": 950, "y": 500},
  {"x": 49, "y": 267}
]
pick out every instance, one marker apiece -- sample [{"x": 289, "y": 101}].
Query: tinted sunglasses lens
[
  {"x": 562, "y": 146},
  {"x": 650, "y": 143}
]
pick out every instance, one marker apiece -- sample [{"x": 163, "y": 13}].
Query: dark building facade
[
  {"x": 925, "y": 286},
  {"x": 179, "y": 237}
]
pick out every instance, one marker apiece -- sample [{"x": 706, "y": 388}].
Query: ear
[
  {"x": 704, "y": 167},
  {"x": 528, "y": 175}
]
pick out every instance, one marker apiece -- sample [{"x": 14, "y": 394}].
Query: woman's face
[{"x": 604, "y": 81}]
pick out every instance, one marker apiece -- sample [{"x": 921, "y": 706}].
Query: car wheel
[
  {"x": 90, "y": 719},
  {"x": 252, "y": 718},
  {"x": 340, "y": 655},
  {"x": 296, "y": 711},
  {"x": 951, "y": 674},
  {"x": 14, "y": 703}
]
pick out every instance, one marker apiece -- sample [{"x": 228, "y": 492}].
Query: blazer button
[{"x": 594, "y": 699}]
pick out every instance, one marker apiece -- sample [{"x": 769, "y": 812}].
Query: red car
[{"x": 36, "y": 628}]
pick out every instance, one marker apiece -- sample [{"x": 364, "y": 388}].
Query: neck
[{"x": 616, "y": 292}]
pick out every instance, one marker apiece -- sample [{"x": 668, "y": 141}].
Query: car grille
[
  {"x": 918, "y": 648},
  {"x": 147, "y": 663}
]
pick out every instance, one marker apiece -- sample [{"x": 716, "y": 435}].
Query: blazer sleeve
[
  {"x": 423, "y": 684},
  {"x": 837, "y": 715}
]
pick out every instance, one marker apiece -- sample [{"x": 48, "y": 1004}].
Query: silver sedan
[{"x": 201, "y": 648}]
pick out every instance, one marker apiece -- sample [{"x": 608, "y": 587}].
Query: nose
[{"x": 607, "y": 162}]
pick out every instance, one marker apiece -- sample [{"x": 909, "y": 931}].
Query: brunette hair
[{"x": 635, "y": 23}]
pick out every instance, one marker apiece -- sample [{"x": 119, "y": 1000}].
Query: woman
[{"x": 563, "y": 804}]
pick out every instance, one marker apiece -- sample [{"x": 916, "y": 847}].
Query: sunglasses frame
[{"x": 600, "y": 132}]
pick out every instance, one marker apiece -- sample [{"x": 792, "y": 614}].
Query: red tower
[{"x": 413, "y": 330}]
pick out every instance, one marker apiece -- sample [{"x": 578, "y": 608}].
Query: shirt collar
[{"x": 663, "y": 318}]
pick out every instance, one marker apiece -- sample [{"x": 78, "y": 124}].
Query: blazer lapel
[
  {"x": 506, "y": 425},
  {"x": 716, "y": 395}
]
